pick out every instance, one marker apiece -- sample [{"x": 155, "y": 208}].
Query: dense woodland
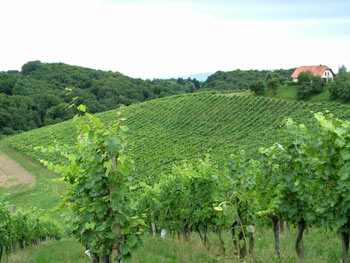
[{"x": 36, "y": 96}]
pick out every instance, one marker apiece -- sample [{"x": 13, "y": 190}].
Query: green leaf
[
  {"x": 339, "y": 143},
  {"x": 112, "y": 144},
  {"x": 340, "y": 221},
  {"x": 344, "y": 172},
  {"x": 108, "y": 164},
  {"x": 124, "y": 128},
  {"x": 345, "y": 154},
  {"x": 110, "y": 235},
  {"x": 82, "y": 108},
  {"x": 90, "y": 225},
  {"x": 241, "y": 243},
  {"x": 218, "y": 208},
  {"x": 250, "y": 229}
]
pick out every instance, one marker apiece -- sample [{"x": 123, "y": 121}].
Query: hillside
[
  {"x": 36, "y": 96},
  {"x": 165, "y": 131}
]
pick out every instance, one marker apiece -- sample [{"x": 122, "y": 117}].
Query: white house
[{"x": 322, "y": 71}]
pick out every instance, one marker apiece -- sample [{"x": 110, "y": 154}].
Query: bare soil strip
[{"x": 11, "y": 173}]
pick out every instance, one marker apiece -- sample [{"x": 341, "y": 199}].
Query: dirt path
[{"x": 11, "y": 173}]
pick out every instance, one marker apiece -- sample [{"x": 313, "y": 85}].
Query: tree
[
  {"x": 272, "y": 81},
  {"x": 340, "y": 87},
  {"x": 257, "y": 86},
  {"x": 342, "y": 70},
  {"x": 7, "y": 83},
  {"x": 305, "y": 77},
  {"x": 30, "y": 67},
  {"x": 272, "y": 84}
]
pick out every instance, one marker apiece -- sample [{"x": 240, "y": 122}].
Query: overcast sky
[{"x": 152, "y": 39}]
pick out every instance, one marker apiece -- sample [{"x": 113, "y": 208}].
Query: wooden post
[
  {"x": 116, "y": 226},
  {"x": 153, "y": 229}
]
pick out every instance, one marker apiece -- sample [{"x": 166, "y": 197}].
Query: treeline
[
  {"x": 240, "y": 79},
  {"x": 36, "y": 95},
  {"x": 19, "y": 230}
]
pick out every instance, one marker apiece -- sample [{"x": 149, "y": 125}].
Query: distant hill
[{"x": 168, "y": 130}]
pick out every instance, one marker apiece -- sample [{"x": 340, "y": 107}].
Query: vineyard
[
  {"x": 303, "y": 181},
  {"x": 207, "y": 164},
  {"x": 19, "y": 230},
  {"x": 166, "y": 131}
]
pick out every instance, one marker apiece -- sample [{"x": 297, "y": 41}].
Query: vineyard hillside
[{"x": 168, "y": 130}]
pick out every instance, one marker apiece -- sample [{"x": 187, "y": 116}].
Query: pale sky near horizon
[{"x": 154, "y": 39}]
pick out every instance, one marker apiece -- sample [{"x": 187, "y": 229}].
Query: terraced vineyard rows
[{"x": 171, "y": 129}]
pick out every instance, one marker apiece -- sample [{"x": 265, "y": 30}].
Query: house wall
[{"x": 328, "y": 74}]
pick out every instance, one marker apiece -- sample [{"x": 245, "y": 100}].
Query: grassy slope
[
  {"x": 283, "y": 92},
  {"x": 290, "y": 92},
  {"x": 168, "y": 130},
  {"x": 44, "y": 194}
]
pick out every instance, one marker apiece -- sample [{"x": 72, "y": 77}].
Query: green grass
[
  {"x": 290, "y": 92},
  {"x": 320, "y": 247},
  {"x": 284, "y": 92},
  {"x": 45, "y": 194},
  {"x": 324, "y": 96},
  {"x": 64, "y": 251},
  {"x": 166, "y": 131}
]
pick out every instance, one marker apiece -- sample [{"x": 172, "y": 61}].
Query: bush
[
  {"x": 340, "y": 87},
  {"x": 257, "y": 86}
]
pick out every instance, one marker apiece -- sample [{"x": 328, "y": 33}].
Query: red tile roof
[{"x": 317, "y": 71}]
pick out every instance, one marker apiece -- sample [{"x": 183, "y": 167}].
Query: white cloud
[{"x": 153, "y": 39}]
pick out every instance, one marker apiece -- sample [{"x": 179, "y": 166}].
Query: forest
[{"x": 36, "y": 96}]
